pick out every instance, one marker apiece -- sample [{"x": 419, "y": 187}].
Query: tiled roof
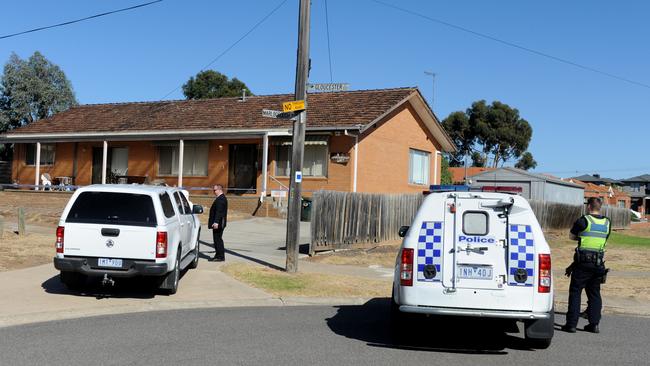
[
  {"x": 341, "y": 109},
  {"x": 458, "y": 173},
  {"x": 639, "y": 178}
]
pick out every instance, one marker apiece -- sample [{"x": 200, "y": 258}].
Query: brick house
[
  {"x": 610, "y": 195},
  {"x": 639, "y": 190},
  {"x": 385, "y": 140}
]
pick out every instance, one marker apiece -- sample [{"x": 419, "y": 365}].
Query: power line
[
  {"x": 235, "y": 43},
  {"x": 80, "y": 20},
  {"x": 514, "y": 45},
  {"x": 329, "y": 52}
]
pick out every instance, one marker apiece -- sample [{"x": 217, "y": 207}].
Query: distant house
[
  {"x": 385, "y": 140},
  {"x": 639, "y": 190},
  {"x": 534, "y": 186},
  {"x": 458, "y": 174},
  {"x": 610, "y": 195},
  {"x": 597, "y": 179}
]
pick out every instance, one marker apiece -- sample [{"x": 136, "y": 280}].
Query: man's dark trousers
[
  {"x": 217, "y": 237},
  {"x": 585, "y": 277}
]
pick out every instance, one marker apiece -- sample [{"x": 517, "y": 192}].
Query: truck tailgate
[{"x": 110, "y": 241}]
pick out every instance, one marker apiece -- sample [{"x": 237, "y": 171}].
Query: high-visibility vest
[{"x": 594, "y": 237}]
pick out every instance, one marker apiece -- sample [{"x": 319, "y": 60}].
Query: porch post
[
  {"x": 435, "y": 166},
  {"x": 356, "y": 160},
  {"x": 181, "y": 152},
  {"x": 37, "y": 163},
  {"x": 265, "y": 163},
  {"x": 104, "y": 161}
]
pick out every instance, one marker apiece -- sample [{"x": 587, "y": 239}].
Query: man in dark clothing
[
  {"x": 588, "y": 268},
  {"x": 217, "y": 222}
]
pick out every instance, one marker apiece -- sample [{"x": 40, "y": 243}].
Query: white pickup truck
[{"x": 116, "y": 231}]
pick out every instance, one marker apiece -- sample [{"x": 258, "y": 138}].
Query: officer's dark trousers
[
  {"x": 588, "y": 278},
  {"x": 219, "y": 251}
]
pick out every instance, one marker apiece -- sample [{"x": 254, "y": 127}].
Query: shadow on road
[
  {"x": 134, "y": 288},
  {"x": 370, "y": 323}
]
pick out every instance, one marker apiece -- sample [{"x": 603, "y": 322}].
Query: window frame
[
  {"x": 176, "y": 150},
  {"x": 428, "y": 167},
  {"x": 487, "y": 222},
  {"x": 32, "y": 147},
  {"x": 280, "y": 148}
]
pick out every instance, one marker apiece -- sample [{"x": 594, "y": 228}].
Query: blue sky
[{"x": 582, "y": 122}]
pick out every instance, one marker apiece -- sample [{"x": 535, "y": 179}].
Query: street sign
[
  {"x": 328, "y": 87},
  {"x": 294, "y": 105},
  {"x": 298, "y": 176},
  {"x": 278, "y": 193},
  {"x": 278, "y": 114}
]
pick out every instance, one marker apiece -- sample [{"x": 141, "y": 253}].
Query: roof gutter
[{"x": 152, "y": 135}]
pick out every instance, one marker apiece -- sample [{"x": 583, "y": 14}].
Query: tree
[
  {"x": 526, "y": 162},
  {"x": 478, "y": 160},
  {"x": 30, "y": 90},
  {"x": 492, "y": 133},
  {"x": 213, "y": 84},
  {"x": 445, "y": 174}
]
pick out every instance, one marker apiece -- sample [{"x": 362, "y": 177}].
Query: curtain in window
[
  {"x": 47, "y": 154},
  {"x": 195, "y": 159},
  {"x": 314, "y": 161},
  {"x": 120, "y": 160},
  {"x": 418, "y": 167}
]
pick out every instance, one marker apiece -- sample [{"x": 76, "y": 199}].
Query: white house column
[
  {"x": 181, "y": 152},
  {"x": 435, "y": 167},
  {"x": 37, "y": 165},
  {"x": 104, "y": 161},
  {"x": 265, "y": 163},
  {"x": 356, "y": 160}
]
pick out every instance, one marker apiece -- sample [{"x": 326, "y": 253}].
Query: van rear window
[{"x": 113, "y": 208}]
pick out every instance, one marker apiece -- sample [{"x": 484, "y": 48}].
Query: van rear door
[
  {"x": 111, "y": 225},
  {"x": 476, "y": 246}
]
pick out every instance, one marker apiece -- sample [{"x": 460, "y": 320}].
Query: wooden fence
[
  {"x": 341, "y": 219},
  {"x": 561, "y": 216}
]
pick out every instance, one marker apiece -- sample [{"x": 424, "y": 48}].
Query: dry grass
[
  {"x": 382, "y": 255},
  {"x": 306, "y": 284},
  {"x": 25, "y": 251}
]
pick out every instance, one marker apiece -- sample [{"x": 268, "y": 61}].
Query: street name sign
[
  {"x": 278, "y": 114},
  {"x": 328, "y": 87},
  {"x": 294, "y": 105}
]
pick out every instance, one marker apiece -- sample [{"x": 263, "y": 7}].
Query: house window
[
  {"x": 419, "y": 167},
  {"x": 195, "y": 159},
  {"x": 621, "y": 203},
  {"x": 47, "y": 154},
  {"x": 314, "y": 161}
]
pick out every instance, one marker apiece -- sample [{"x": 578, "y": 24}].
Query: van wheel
[
  {"x": 195, "y": 262},
  {"x": 72, "y": 280},
  {"x": 170, "y": 283}
]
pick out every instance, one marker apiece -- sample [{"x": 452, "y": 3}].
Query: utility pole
[
  {"x": 298, "y": 142},
  {"x": 433, "y": 85}
]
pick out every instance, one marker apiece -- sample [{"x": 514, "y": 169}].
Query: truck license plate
[
  {"x": 109, "y": 262},
  {"x": 474, "y": 272}
]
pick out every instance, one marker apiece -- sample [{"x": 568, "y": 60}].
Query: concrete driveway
[{"x": 36, "y": 294}]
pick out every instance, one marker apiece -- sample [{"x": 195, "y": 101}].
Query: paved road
[{"x": 315, "y": 335}]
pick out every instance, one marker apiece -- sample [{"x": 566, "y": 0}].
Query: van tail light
[
  {"x": 544, "y": 273},
  {"x": 59, "y": 239},
  {"x": 161, "y": 244},
  {"x": 406, "y": 267}
]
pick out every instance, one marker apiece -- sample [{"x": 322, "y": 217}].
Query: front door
[
  {"x": 98, "y": 155},
  {"x": 242, "y": 170}
]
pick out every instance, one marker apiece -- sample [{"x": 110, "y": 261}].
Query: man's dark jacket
[{"x": 219, "y": 212}]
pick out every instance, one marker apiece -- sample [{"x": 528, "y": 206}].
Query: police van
[{"x": 476, "y": 253}]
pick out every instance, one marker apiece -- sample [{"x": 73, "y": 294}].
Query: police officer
[{"x": 588, "y": 268}]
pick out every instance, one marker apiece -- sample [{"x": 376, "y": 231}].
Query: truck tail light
[
  {"x": 59, "y": 239},
  {"x": 544, "y": 273},
  {"x": 161, "y": 244},
  {"x": 406, "y": 267}
]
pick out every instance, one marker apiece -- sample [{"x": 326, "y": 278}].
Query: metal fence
[{"x": 341, "y": 219}]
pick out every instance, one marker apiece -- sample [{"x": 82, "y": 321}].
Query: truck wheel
[
  {"x": 195, "y": 262},
  {"x": 538, "y": 333},
  {"x": 72, "y": 280},
  {"x": 398, "y": 322},
  {"x": 170, "y": 283}
]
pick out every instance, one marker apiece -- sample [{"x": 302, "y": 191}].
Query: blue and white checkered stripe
[
  {"x": 430, "y": 249},
  {"x": 522, "y": 254}
]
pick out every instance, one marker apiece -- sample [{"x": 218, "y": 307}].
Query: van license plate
[
  {"x": 474, "y": 272},
  {"x": 108, "y": 262}
]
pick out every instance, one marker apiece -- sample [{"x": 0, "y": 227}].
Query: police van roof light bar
[
  {"x": 502, "y": 189},
  {"x": 448, "y": 188}
]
